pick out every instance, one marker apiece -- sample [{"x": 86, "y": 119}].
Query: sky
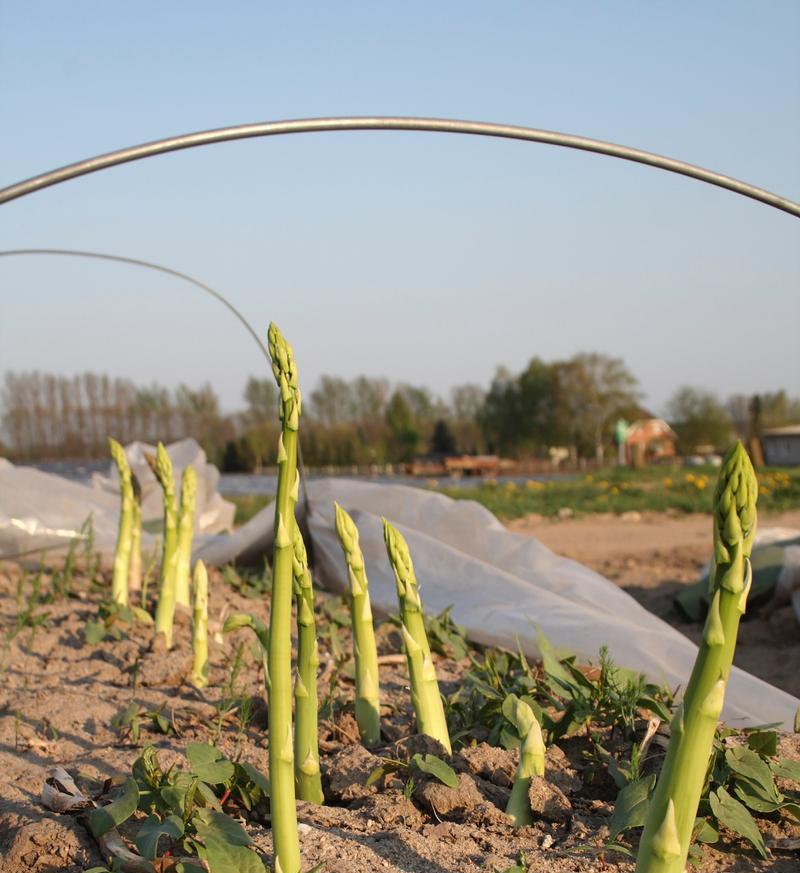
[{"x": 425, "y": 258}]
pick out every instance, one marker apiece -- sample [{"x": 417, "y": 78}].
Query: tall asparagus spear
[
  {"x": 667, "y": 833},
  {"x": 281, "y": 752},
  {"x": 200, "y": 626},
  {"x": 531, "y": 763},
  {"x": 122, "y": 557},
  {"x": 135, "y": 567},
  {"x": 183, "y": 560},
  {"x": 368, "y": 700},
  {"x": 308, "y": 781},
  {"x": 424, "y": 686},
  {"x": 165, "y": 611}
]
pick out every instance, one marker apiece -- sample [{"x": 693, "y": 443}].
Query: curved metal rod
[
  {"x": 433, "y": 125},
  {"x": 136, "y": 262}
]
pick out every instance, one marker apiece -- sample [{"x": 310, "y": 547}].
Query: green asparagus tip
[{"x": 735, "y": 501}]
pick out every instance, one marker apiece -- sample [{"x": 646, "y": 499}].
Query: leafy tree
[
  {"x": 699, "y": 419},
  {"x": 442, "y": 442},
  {"x": 404, "y": 434},
  {"x": 261, "y": 396}
]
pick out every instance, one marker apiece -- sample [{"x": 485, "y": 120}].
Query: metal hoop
[{"x": 432, "y": 125}]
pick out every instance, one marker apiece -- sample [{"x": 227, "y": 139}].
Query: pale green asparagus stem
[
  {"x": 122, "y": 557},
  {"x": 531, "y": 763},
  {"x": 308, "y": 782},
  {"x": 424, "y": 686},
  {"x": 242, "y": 619},
  {"x": 667, "y": 833},
  {"x": 135, "y": 567},
  {"x": 368, "y": 699},
  {"x": 165, "y": 611},
  {"x": 200, "y": 626},
  {"x": 183, "y": 560},
  {"x": 281, "y": 752}
]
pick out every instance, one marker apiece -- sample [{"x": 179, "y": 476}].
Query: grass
[
  {"x": 654, "y": 489},
  {"x": 247, "y": 505}
]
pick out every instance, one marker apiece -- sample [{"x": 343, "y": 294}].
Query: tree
[
  {"x": 404, "y": 434},
  {"x": 592, "y": 391},
  {"x": 261, "y": 396},
  {"x": 699, "y": 419},
  {"x": 442, "y": 442}
]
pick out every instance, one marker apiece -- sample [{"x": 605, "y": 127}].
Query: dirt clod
[{"x": 548, "y": 802}]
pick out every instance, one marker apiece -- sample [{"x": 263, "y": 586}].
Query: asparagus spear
[
  {"x": 183, "y": 559},
  {"x": 667, "y": 833},
  {"x": 165, "y": 611},
  {"x": 531, "y": 763},
  {"x": 308, "y": 782},
  {"x": 281, "y": 752},
  {"x": 122, "y": 557},
  {"x": 424, "y": 686},
  {"x": 135, "y": 567},
  {"x": 200, "y": 626},
  {"x": 368, "y": 702}
]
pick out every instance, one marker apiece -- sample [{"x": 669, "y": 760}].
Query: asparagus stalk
[
  {"x": 667, "y": 833},
  {"x": 135, "y": 567},
  {"x": 183, "y": 560},
  {"x": 122, "y": 557},
  {"x": 281, "y": 752},
  {"x": 200, "y": 626},
  {"x": 424, "y": 686},
  {"x": 368, "y": 701},
  {"x": 531, "y": 763},
  {"x": 165, "y": 611},
  {"x": 307, "y": 779}
]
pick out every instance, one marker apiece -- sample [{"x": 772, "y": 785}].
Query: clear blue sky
[{"x": 425, "y": 258}]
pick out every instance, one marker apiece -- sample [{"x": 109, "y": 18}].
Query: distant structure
[
  {"x": 455, "y": 465},
  {"x": 649, "y": 440},
  {"x": 781, "y": 446}
]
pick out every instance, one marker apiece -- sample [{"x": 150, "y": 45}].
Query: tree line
[{"x": 367, "y": 421}]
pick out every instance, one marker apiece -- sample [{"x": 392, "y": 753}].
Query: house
[
  {"x": 782, "y": 446},
  {"x": 650, "y": 440}
]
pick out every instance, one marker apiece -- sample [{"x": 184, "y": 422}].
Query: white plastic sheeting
[
  {"x": 502, "y": 585},
  {"x": 41, "y": 511},
  {"x": 213, "y": 513}
]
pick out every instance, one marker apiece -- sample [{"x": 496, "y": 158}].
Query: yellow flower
[
  {"x": 667, "y": 482},
  {"x": 690, "y": 477},
  {"x": 615, "y": 490}
]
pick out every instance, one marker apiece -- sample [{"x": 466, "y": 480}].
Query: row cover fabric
[
  {"x": 41, "y": 511},
  {"x": 503, "y": 586}
]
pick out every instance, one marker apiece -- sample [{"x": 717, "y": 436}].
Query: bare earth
[
  {"x": 652, "y": 558},
  {"x": 58, "y": 696}
]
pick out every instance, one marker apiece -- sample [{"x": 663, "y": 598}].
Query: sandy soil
[
  {"x": 652, "y": 555},
  {"x": 58, "y": 696}
]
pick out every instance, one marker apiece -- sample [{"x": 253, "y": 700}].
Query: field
[
  {"x": 619, "y": 490},
  {"x": 94, "y": 705}
]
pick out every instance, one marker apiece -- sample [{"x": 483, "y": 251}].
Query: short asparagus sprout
[
  {"x": 183, "y": 560},
  {"x": 531, "y": 763},
  {"x": 200, "y": 626},
  {"x": 368, "y": 699},
  {"x": 424, "y": 686},
  {"x": 165, "y": 611},
  {"x": 281, "y": 751},
  {"x": 122, "y": 557},
  {"x": 242, "y": 619},
  {"x": 307, "y": 777},
  {"x": 135, "y": 567},
  {"x": 664, "y": 845}
]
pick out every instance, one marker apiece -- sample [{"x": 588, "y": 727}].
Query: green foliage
[
  {"x": 445, "y": 636},
  {"x": 740, "y": 787},
  {"x": 618, "y": 490},
  {"x": 185, "y": 808},
  {"x": 434, "y": 766},
  {"x": 699, "y": 419},
  {"x": 129, "y": 721},
  {"x": 249, "y": 582},
  {"x": 111, "y": 618}
]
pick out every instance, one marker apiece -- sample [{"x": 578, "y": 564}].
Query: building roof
[{"x": 789, "y": 430}]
